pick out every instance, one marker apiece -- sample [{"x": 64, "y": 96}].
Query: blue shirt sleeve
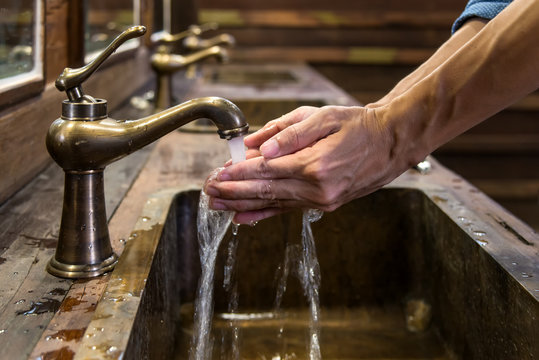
[{"x": 485, "y": 9}]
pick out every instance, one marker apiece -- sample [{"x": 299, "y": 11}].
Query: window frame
[{"x": 19, "y": 87}]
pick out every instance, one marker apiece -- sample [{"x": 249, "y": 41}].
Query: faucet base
[{"x": 72, "y": 271}]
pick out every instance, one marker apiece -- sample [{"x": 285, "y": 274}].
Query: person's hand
[{"x": 309, "y": 158}]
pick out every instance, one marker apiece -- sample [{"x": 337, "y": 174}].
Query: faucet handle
[
  {"x": 196, "y": 30},
  {"x": 70, "y": 80}
]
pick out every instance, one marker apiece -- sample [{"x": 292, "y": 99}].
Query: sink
[
  {"x": 254, "y": 77},
  {"x": 257, "y": 112},
  {"x": 401, "y": 279}
]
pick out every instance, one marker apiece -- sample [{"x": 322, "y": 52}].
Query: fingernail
[
  {"x": 212, "y": 191},
  {"x": 224, "y": 176},
  {"x": 269, "y": 148},
  {"x": 217, "y": 205}
]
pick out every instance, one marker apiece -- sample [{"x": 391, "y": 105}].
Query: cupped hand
[{"x": 309, "y": 158}]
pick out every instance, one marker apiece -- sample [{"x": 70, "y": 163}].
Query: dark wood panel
[
  {"x": 344, "y": 5},
  {"x": 258, "y": 36},
  {"x": 328, "y": 18},
  {"x": 335, "y": 55}
]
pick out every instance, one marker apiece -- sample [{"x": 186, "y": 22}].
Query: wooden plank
[
  {"x": 392, "y": 37},
  {"x": 419, "y": 6},
  {"x": 57, "y": 36},
  {"x": 342, "y": 55},
  {"x": 507, "y": 144},
  {"x": 294, "y": 18},
  {"x": 511, "y": 189}
]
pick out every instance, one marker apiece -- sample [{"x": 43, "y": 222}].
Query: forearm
[
  {"x": 488, "y": 73},
  {"x": 461, "y": 37}
]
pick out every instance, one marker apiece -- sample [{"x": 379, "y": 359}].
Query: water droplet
[
  {"x": 514, "y": 263},
  {"x": 20, "y": 302},
  {"x": 111, "y": 350},
  {"x": 122, "y": 241},
  {"x": 2, "y": 331},
  {"x": 235, "y": 229},
  {"x": 15, "y": 273},
  {"x": 479, "y": 233},
  {"x": 99, "y": 329},
  {"x": 526, "y": 275},
  {"x": 90, "y": 335},
  {"x": 90, "y": 247},
  {"x": 26, "y": 331},
  {"x": 145, "y": 218},
  {"x": 482, "y": 242},
  {"x": 83, "y": 227},
  {"x": 48, "y": 338},
  {"x": 462, "y": 219},
  {"x": 94, "y": 347},
  {"x": 117, "y": 299}
]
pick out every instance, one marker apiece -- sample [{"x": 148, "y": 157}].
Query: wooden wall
[{"x": 366, "y": 47}]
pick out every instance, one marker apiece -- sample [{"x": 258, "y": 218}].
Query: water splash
[
  {"x": 309, "y": 274},
  {"x": 212, "y": 226},
  {"x": 230, "y": 284}
]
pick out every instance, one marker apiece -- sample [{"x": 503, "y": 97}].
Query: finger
[
  {"x": 298, "y": 136},
  {"x": 262, "y": 168},
  {"x": 251, "y": 204},
  {"x": 251, "y": 217},
  {"x": 252, "y": 153},
  {"x": 273, "y": 127},
  {"x": 256, "y": 189},
  {"x": 258, "y": 194}
]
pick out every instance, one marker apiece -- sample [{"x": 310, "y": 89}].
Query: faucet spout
[
  {"x": 83, "y": 142},
  {"x": 89, "y": 145}
]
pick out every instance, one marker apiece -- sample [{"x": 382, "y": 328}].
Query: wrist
[{"x": 406, "y": 124}]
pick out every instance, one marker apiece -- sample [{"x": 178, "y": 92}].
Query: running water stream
[
  {"x": 309, "y": 274},
  {"x": 212, "y": 226}
]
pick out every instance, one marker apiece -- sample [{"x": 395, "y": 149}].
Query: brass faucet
[
  {"x": 85, "y": 140},
  {"x": 166, "y": 64}
]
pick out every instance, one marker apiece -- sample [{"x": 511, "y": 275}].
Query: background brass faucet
[
  {"x": 165, "y": 63},
  {"x": 85, "y": 140}
]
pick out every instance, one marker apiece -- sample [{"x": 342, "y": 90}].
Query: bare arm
[
  {"x": 460, "y": 38},
  {"x": 491, "y": 71},
  {"x": 325, "y": 157}
]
